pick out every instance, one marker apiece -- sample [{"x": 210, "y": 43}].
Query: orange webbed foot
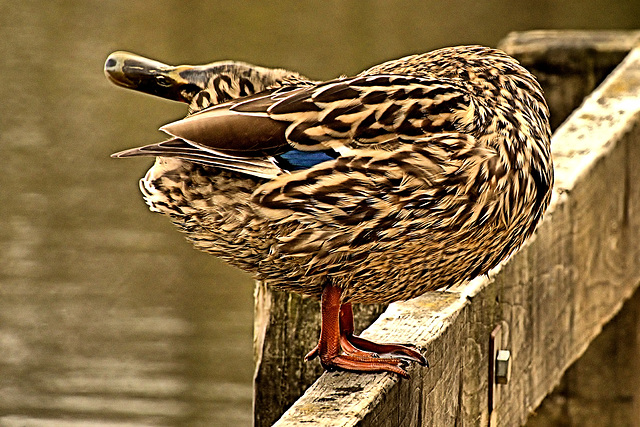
[{"x": 339, "y": 349}]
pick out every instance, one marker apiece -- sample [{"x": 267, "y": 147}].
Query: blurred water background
[{"x": 107, "y": 316}]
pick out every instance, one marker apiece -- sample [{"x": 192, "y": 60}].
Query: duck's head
[{"x": 178, "y": 83}]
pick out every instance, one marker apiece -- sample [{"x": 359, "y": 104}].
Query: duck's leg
[{"x": 336, "y": 350}]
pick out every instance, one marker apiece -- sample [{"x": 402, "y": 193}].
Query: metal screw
[{"x": 503, "y": 366}]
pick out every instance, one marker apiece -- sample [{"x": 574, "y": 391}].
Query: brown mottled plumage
[{"x": 416, "y": 174}]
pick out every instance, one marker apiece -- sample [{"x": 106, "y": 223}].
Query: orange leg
[{"x": 338, "y": 348}]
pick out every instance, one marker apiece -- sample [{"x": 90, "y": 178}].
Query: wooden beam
[
  {"x": 551, "y": 299},
  {"x": 569, "y": 64},
  {"x": 602, "y": 388}
]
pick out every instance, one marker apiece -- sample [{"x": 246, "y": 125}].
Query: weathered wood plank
[
  {"x": 569, "y": 64},
  {"x": 551, "y": 299},
  {"x": 601, "y": 388}
]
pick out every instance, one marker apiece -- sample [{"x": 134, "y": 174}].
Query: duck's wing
[
  {"x": 370, "y": 111},
  {"x": 296, "y": 127}
]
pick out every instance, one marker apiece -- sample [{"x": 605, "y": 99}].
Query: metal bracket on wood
[{"x": 499, "y": 369}]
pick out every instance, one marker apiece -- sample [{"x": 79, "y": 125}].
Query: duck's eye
[{"x": 163, "y": 81}]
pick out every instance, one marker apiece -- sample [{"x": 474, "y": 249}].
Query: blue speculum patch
[{"x": 298, "y": 160}]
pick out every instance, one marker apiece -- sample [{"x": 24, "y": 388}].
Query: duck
[{"x": 415, "y": 175}]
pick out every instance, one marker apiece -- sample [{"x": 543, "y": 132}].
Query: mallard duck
[{"x": 414, "y": 175}]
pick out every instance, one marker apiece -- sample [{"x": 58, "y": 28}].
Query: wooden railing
[{"x": 545, "y": 305}]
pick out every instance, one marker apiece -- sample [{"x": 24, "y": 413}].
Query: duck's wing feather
[
  {"x": 257, "y": 166},
  {"x": 370, "y": 111}
]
